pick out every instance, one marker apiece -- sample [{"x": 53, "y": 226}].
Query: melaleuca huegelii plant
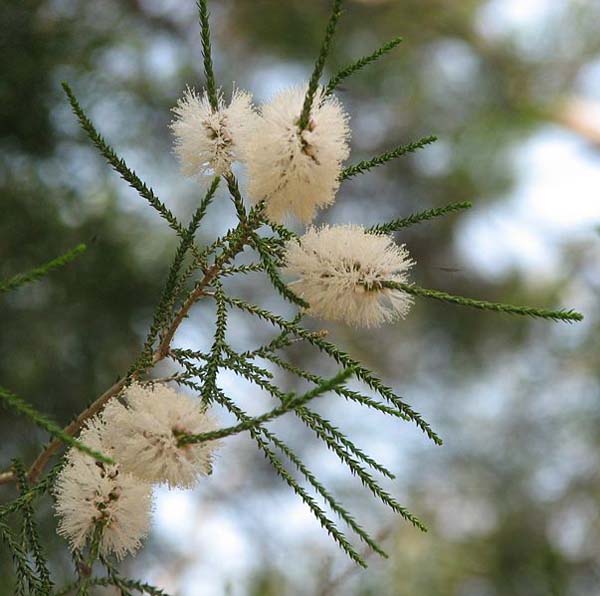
[{"x": 142, "y": 432}]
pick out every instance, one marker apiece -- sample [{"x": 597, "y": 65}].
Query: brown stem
[
  {"x": 71, "y": 429},
  {"x": 195, "y": 295},
  {"x": 245, "y": 228}
]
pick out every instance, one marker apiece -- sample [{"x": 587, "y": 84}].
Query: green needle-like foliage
[
  {"x": 165, "y": 307},
  {"x": 335, "y": 440},
  {"x": 31, "y": 539},
  {"x": 291, "y": 403},
  {"x": 37, "y": 490},
  {"x": 313, "y": 84},
  {"x": 341, "y": 358},
  {"x": 39, "y": 272},
  {"x": 212, "y": 365},
  {"x": 264, "y": 438},
  {"x": 27, "y": 581},
  {"x": 360, "y": 64},
  {"x": 343, "y": 391},
  {"x": 270, "y": 269},
  {"x": 567, "y": 316},
  {"x": 368, "y": 164},
  {"x": 415, "y": 218},
  {"x": 211, "y": 86},
  {"x": 118, "y": 164}
]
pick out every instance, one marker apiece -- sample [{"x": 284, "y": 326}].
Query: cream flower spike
[
  {"x": 89, "y": 493},
  {"x": 341, "y": 270},
  {"x": 207, "y": 141},
  {"x": 296, "y": 172},
  {"x": 142, "y": 433}
]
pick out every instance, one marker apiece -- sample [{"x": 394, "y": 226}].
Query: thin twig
[
  {"x": 71, "y": 429},
  {"x": 245, "y": 229}
]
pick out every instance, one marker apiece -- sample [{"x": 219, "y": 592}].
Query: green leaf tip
[
  {"x": 211, "y": 85},
  {"x": 364, "y": 166},
  {"x": 360, "y": 64},
  {"x": 39, "y": 272},
  {"x": 313, "y": 84},
  {"x": 560, "y": 315},
  {"x": 416, "y": 218}
]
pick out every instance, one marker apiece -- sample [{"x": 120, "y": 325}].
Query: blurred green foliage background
[{"x": 512, "y": 498}]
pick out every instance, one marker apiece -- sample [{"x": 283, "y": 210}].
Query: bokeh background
[{"x": 512, "y": 89}]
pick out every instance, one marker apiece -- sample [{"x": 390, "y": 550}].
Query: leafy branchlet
[
  {"x": 22, "y": 279},
  {"x": 360, "y": 64},
  {"x": 368, "y": 164},
  {"x": 197, "y": 273},
  {"x": 315, "y": 78}
]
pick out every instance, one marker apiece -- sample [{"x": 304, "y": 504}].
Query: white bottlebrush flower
[
  {"x": 89, "y": 493},
  {"x": 296, "y": 172},
  {"x": 142, "y": 433},
  {"x": 341, "y": 270},
  {"x": 206, "y": 141}
]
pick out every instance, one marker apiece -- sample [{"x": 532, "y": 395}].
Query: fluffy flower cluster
[
  {"x": 143, "y": 434},
  {"x": 297, "y": 171},
  {"x": 89, "y": 493},
  {"x": 341, "y": 272},
  {"x": 207, "y": 141},
  {"x": 294, "y": 171},
  {"x": 140, "y": 436}
]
